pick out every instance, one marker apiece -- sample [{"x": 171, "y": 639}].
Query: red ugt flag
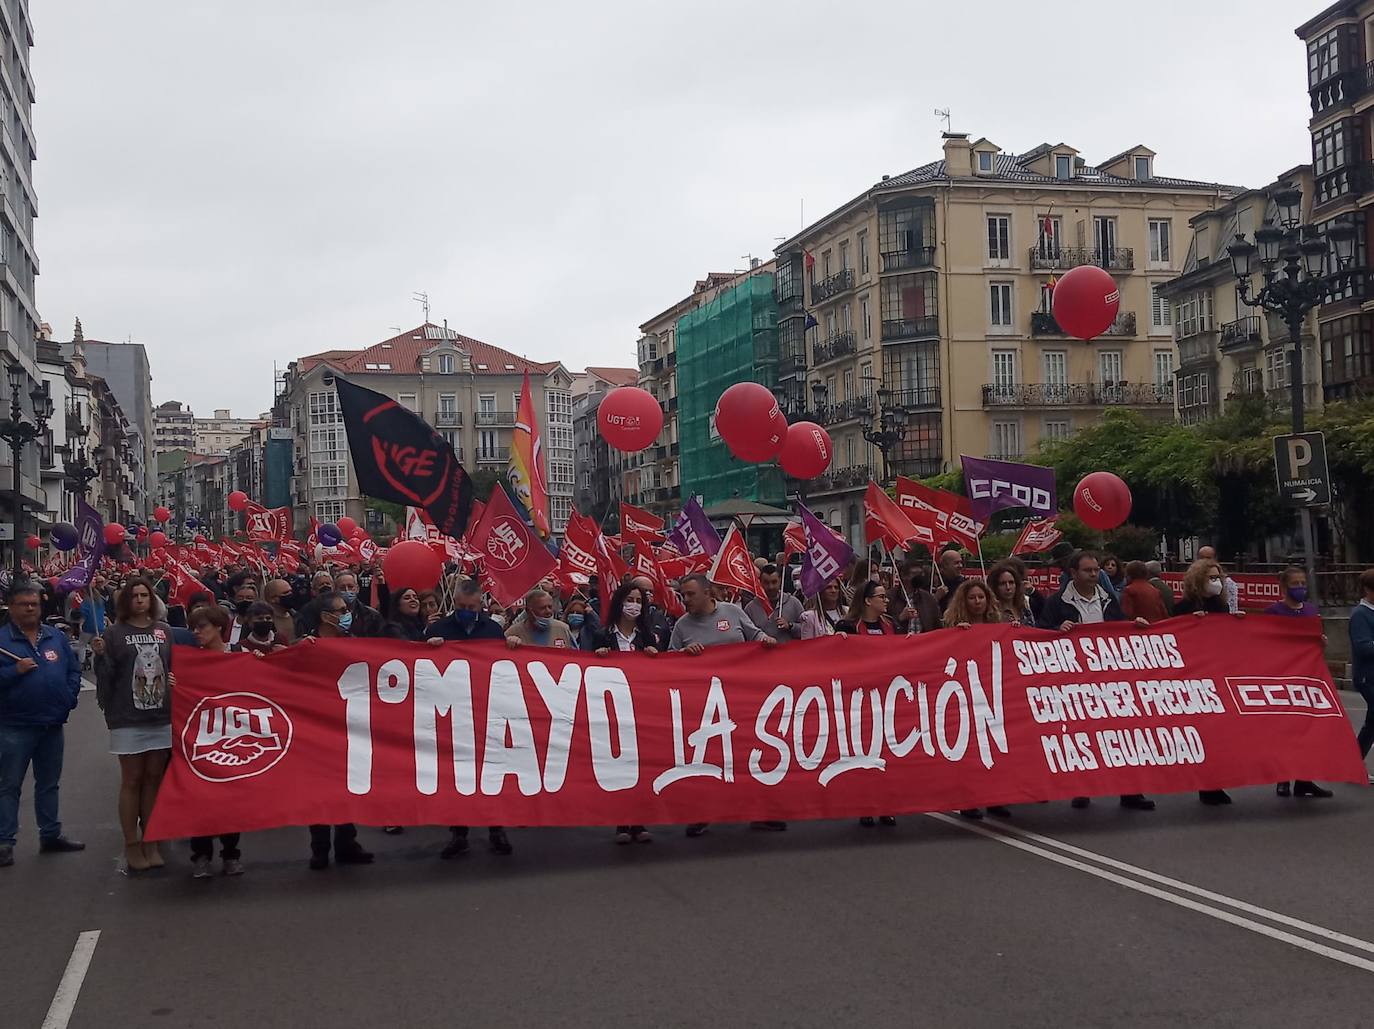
[
  {"x": 515, "y": 559},
  {"x": 734, "y": 566}
]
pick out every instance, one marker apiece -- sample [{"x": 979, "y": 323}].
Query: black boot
[
  {"x": 496, "y": 837},
  {"x": 1137, "y": 802},
  {"x": 1303, "y": 788},
  {"x": 1214, "y": 798}
]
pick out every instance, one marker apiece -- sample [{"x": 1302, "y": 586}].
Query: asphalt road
[{"x": 1252, "y": 915}]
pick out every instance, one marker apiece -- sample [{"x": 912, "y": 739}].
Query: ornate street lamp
[
  {"x": 1296, "y": 261},
  {"x": 890, "y": 429},
  {"x": 19, "y": 432}
]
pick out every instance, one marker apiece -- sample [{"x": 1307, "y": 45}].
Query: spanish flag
[{"x": 526, "y": 469}]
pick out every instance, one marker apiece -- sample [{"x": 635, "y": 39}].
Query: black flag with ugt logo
[{"x": 398, "y": 457}]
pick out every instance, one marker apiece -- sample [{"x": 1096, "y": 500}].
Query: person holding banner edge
[{"x": 1084, "y": 600}]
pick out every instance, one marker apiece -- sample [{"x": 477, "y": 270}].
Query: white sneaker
[{"x": 200, "y": 868}]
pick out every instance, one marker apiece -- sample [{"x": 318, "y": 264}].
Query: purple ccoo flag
[
  {"x": 90, "y": 535},
  {"x": 826, "y": 555},
  {"x": 993, "y": 485},
  {"x": 693, "y": 532}
]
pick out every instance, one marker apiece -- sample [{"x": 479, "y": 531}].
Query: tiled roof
[
  {"x": 616, "y": 376},
  {"x": 401, "y": 355},
  {"x": 1011, "y": 168}
]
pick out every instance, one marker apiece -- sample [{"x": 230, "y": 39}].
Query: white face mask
[
  {"x": 499, "y": 620},
  {"x": 631, "y": 609},
  {"x": 1214, "y": 587}
]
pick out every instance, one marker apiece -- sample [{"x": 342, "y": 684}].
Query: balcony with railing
[
  {"x": 1043, "y": 323},
  {"x": 899, "y": 330},
  {"x": 841, "y": 344},
  {"x": 1347, "y": 182},
  {"x": 493, "y": 455},
  {"x": 448, "y": 418},
  {"x": 791, "y": 361},
  {"x": 1078, "y": 394},
  {"x": 1057, "y": 258},
  {"x": 832, "y": 286},
  {"x": 1196, "y": 350},
  {"x": 907, "y": 260},
  {"x": 1241, "y": 334},
  {"x": 847, "y": 410},
  {"x": 913, "y": 399},
  {"x": 486, "y": 416},
  {"x": 852, "y": 477},
  {"x": 1342, "y": 88}
]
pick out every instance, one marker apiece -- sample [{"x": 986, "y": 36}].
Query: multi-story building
[
  {"x": 1227, "y": 350},
  {"x": 469, "y": 391},
  {"x": 924, "y": 302},
  {"x": 218, "y": 435},
  {"x": 598, "y": 489},
  {"x": 651, "y": 478},
  {"x": 1340, "y": 84},
  {"x": 19, "y": 319},
  {"x": 173, "y": 427},
  {"x": 63, "y": 441},
  {"x": 118, "y": 493},
  {"x": 124, "y": 367}
]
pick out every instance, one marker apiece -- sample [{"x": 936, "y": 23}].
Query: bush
[{"x": 1132, "y": 542}]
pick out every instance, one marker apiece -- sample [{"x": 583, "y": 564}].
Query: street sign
[
  {"x": 1300, "y": 466},
  {"x": 6, "y": 532}
]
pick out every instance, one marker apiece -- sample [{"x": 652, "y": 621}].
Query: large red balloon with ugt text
[
  {"x": 1102, "y": 500},
  {"x": 1085, "y": 301},
  {"x": 807, "y": 451},
  {"x": 411, "y": 565},
  {"x": 750, "y": 422},
  {"x": 629, "y": 419}
]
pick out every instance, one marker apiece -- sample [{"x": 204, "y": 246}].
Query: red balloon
[
  {"x": 115, "y": 534},
  {"x": 157, "y": 538},
  {"x": 1085, "y": 301},
  {"x": 629, "y": 419},
  {"x": 347, "y": 526},
  {"x": 162, "y": 514},
  {"x": 807, "y": 451},
  {"x": 33, "y": 542},
  {"x": 411, "y": 565},
  {"x": 751, "y": 423},
  {"x": 1102, "y": 500},
  {"x": 238, "y": 500},
  {"x": 142, "y": 533}
]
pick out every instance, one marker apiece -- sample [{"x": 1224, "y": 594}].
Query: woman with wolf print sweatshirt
[{"x": 134, "y": 688}]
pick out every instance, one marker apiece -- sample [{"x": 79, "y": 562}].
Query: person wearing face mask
[
  {"x": 582, "y": 622},
  {"x": 659, "y": 621},
  {"x": 1204, "y": 593},
  {"x": 366, "y": 622},
  {"x": 259, "y": 636},
  {"x": 277, "y": 593},
  {"x": 209, "y": 623},
  {"x": 628, "y": 629},
  {"x": 539, "y": 627},
  {"x": 467, "y": 622},
  {"x": 1293, "y": 582},
  {"x": 335, "y": 621},
  {"x": 243, "y": 592}
]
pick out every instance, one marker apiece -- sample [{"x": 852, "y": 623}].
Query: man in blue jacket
[
  {"x": 40, "y": 681},
  {"x": 1362, "y": 657}
]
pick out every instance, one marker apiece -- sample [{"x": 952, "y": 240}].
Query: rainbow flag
[{"x": 526, "y": 469}]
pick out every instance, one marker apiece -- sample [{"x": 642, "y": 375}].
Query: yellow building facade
[{"x": 915, "y": 320}]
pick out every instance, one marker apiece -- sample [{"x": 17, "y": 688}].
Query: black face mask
[
  {"x": 241, "y": 606},
  {"x": 262, "y": 630}
]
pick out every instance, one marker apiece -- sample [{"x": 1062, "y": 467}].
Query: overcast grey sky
[{"x": 238, "y": 183}]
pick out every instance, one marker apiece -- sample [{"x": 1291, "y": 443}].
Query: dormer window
[
  {"x": 1142, "y": 169},
  {"x": 445, "y": 364},
  {"x": 985, "y": 162},
  {"x": 1063, "y": 166}
]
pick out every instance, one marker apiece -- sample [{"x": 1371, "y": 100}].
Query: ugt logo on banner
[{"x": 235, "y": 736}]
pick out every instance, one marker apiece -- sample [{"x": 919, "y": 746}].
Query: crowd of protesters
[{"x": 122, "y": 631}]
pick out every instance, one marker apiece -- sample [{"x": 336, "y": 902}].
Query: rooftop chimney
[{"x": 958, "y": 154}]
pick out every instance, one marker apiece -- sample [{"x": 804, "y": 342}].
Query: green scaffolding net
[{"x": 734, "y": 338}]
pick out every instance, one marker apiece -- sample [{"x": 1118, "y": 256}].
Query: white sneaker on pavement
[{"x": 200, "y": 868}]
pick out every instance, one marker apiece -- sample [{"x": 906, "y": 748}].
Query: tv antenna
[
  {"x": 423, "y": 300},
  {"x": 944, "y": 113}
]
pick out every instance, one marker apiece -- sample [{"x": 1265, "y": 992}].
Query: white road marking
[
  {"x": 1173, "y": 898},
  {"x": 64, "y": 1000},
  {"x": 1197, "y": 891}
]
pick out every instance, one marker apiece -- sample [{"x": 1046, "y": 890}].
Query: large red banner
[{"x": 395, "y": 733}]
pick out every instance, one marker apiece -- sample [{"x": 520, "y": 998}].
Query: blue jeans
[{"x": 20, "y": 745}]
